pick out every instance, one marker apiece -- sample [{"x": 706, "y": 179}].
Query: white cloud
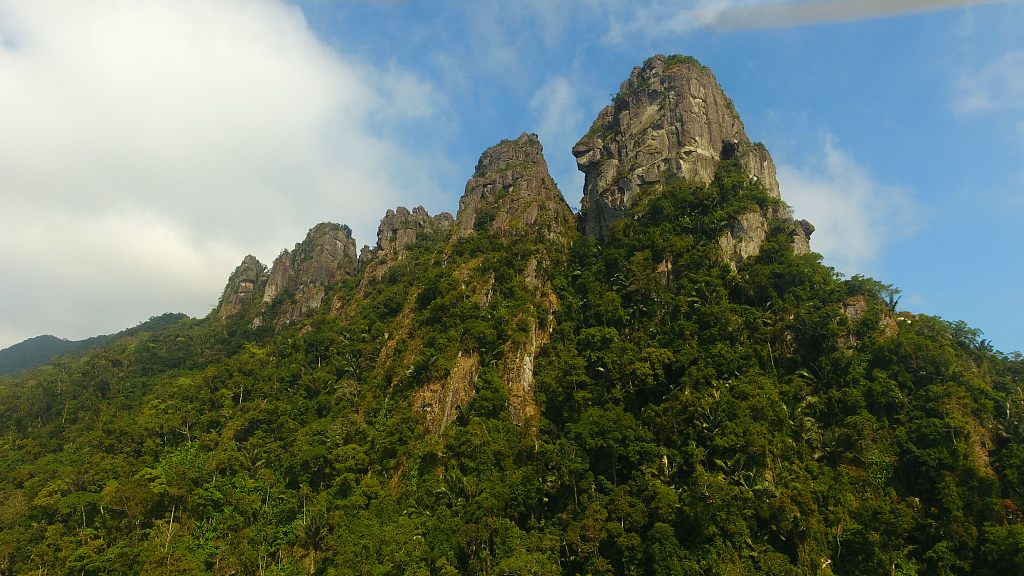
[
  {"x": 995, "y": 87},
  {"x": 147, "y": 145},
  {"x": 853, "y": 214},
  {"x": 559, "y": 124}
]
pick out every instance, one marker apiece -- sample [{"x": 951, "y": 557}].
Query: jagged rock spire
[
  {"x": 512, "y": 194},
  {"x": 400, "y": 228},
  {"x": 671, "y": 118},
  {"x": 243, "y": 285},
  {"x": 326, "y": 256}
]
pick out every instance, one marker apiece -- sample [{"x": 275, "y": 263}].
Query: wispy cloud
[
  {"x": 559, "y": 123},
  {"x": 854, "y": 215},
  {"x": 996, "y": 87}
]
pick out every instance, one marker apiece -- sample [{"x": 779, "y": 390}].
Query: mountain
[
  {"x": 34, "y": 352},
  {"x": 39, "y": 350},
  {"x": 669, "y": 382}
]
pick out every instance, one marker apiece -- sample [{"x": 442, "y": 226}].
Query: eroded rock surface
[
  {"x": 672, "y": 119},
  {"x": 400, "y": 228},
  {"x": 300, "y": 276},
  {"x": 243, "y": 285},
  {"x": 325, "y": 257},
  {"x": 511, "y": 194}
]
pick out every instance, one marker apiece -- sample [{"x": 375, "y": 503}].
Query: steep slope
[
  {"x": 499, "y": 393},
  {"x": 512, "y": 197}
]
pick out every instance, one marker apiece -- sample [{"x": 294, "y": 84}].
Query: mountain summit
[
  {"x": 671, "y": 119},
  {"x": 512, "y": 194}
]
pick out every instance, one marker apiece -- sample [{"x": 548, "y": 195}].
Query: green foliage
[
  {"x": 693, "y": 420},
  {"x": 679, "y": 59}
]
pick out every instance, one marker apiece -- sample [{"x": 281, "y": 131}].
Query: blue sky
[{"x": 187, "y": 134}]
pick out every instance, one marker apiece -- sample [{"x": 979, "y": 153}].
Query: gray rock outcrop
[
  {"x": 400, "y": 228},
  {"x": 672, "y": 119},
  {"x": 511, "y": 194},
  {"x": 300, "y": 277},
  {"x": 325, "y": 257},
  {"x": 243, "y": 286},
  {"x": 280, "y": 272}
]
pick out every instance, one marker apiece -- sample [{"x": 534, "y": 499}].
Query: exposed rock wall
[
  {"x": 672, "y": 119},
  {"x": 244, "y": 285},
  {"x": 326, "y": 256},
  {"x": 280, "y": 272},
  {"x": 399, "y": 229},
  {"x": 440, "y": 401},
  {"x": 511, "y": 194}
]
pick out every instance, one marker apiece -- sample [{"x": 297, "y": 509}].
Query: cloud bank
[{"x": 148, "y": 145}]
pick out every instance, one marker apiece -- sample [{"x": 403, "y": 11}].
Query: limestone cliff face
[
  {"x": 243, "y": 286},
  {"x": 512, "y": 195},
  {"x": 672, "y": 119}
]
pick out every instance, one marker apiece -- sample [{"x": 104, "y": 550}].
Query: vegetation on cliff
[
  {"x": 692, "y": 420},
  {"x": 504, "y": 394}
]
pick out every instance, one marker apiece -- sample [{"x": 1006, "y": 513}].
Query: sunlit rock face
[
  {"x": 671, "y": 119},
  {"x": 511, "y": 194}
]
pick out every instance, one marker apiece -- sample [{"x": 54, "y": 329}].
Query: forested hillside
[
  {"x": 668, "y": 383},
  {"x": 42, "y": 349}
]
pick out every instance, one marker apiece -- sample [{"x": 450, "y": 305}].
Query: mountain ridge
[
  {"x": 39, "y": 350},
  {"x": 681, "y": 388}
]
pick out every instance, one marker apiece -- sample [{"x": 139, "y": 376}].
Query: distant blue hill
[{"x": 40, "y": 350}]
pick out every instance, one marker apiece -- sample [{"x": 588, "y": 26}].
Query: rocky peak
[
  {"x": 400, "y": 227},
  {"x": 670, "y": 118},
  {"x": 327, "y": 255},
  {"x": 512, "y": 194},
  {"x": 247, "y": 279}
]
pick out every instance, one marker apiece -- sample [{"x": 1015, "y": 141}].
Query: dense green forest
[
  {"x": 42, "y": 349},
  {"x": 690, "y": 419}
]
